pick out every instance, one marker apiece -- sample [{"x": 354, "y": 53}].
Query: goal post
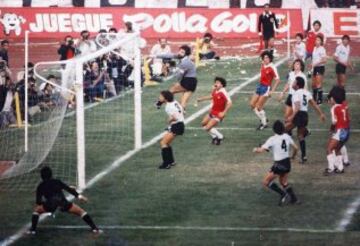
[{"x": 41, "y": 142}]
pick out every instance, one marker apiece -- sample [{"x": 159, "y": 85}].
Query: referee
[{"x": 266, "y": 25}]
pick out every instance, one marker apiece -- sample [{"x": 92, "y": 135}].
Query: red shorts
[{"x": 215, "y": 116}]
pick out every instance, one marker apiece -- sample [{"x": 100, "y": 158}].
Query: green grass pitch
[{"x": 213, "y": 196}]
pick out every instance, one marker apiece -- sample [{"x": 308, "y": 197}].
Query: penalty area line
[
  {"x": 117, "y": 163},
  {"x": 193, "y": 228}
]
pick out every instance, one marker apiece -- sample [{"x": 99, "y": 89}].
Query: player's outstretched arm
[
  {"x": 277, "y": 82},
  {"x": 318, "y": 110},
  {"x": 259, "y": 150},
  {"x": 204, "y": 98},
  {"x": 294, "y": 151}
]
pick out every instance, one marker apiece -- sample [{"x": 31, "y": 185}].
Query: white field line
[
  {"x": 194, "y": 228},
  {"x": 253, "y": 129},
  {"x": 19, "y": 234},
  {"x": 348, "y": 215}
]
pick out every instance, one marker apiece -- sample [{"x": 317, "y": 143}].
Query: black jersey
[{"x": 52, "y": 191}]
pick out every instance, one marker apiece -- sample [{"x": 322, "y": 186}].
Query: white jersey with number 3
[
  {"x": 279, "y": 145},
  {"x": 303, "y": 96},
  {"x": 174, "y": 109}
]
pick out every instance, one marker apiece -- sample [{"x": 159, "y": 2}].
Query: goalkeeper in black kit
[{"x": 50, "y": 196}]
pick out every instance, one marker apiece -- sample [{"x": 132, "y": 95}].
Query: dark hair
[
  {"x": 278, "y": 127},
  {"x": 300, "y": 82},
  {"x": 221, "y": 80},
  {"x": 68, "y": 36},
  {"x": 30, "y": 65},
  {"x": 317, "y": 22},
  {"x": 346, "y": 37},
  {"x": 187, "y": 49},
  {"x": 321, "y": 38},
  {"x": 268, "y": 54},
  {"x": 102, "y": 31},
  {"x": 83, "y": 32},
  {"x": 208, "y": 35},
  {"x": 46, "y": 173},
  {"x": 113, "y": 29},
  {"x": 169, "y": 97},
  {"x": 5, "y": 41},
  {"x": 338, "y": 94},
  {"x": 129, "y": 26},
  {"x": 266, "y": 5},
  {"x": 51, "y": 76},
  {"x": 300, "y": 35},
  {"x": 302, "y": 64}
]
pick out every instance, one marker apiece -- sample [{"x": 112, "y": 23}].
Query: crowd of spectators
[
  {"x": 104, "y": 77},
  {"x": 337, "y": 3}
]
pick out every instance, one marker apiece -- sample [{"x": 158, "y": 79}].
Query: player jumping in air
[
  {"x": 186, "y": 75},
  {"x": 299, "y": 117},
  {"x": 221, "y": 103},
  {"x": 340, "y": 129},
  {"x": 342, "y": 59},
  {"x": 263, "y": 90},
  {"x": 318, "y": 68},
  {"x": 297, "y": 68},
  {"x": 280, "y": 145},
  {"x": 50, "y": 196},
  {"x": 176, "y": 127}
]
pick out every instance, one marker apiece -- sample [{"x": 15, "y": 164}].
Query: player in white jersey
[
  {"x": 299, "y": 117},
  {"x": 280, "y": 145},
  {"x": 318, "y": 68},
  {"x": 297, "y": 70},
  {"x": 299, "y": 48},
  {"x": 342, "y": 58},
  {"x": 176, "y": 127}
]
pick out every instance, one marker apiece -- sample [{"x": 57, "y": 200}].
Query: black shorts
[
  {"x": 301, "y": 119},
  {"x": 288, "y": 101},
  {"x": 51, "y": 206},
  {"x": 319, "y": 70},
  {"x": 177, "y": 128},
  {"x": 189, "y": 84},
  {"x": 281, "y": 167},
  {"x": 340, "y": 69}
]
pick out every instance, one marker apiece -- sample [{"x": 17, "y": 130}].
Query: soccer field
[{"x": 213, "y": 196}]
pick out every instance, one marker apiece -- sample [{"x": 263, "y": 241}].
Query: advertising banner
[
  {"x": 338, "y": 22},
  {"x": 154, "y": 23}
]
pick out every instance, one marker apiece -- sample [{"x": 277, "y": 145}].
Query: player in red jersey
[
  {"x": 221, "y": 103},
  {"x": 264, "y": 90},
  {"x": 311, "y": 39},
  {"x": 340, "y": 130}
]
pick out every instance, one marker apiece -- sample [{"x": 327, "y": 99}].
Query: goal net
[{"x": 76, "y": 115}]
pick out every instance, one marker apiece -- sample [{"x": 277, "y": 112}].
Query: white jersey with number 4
[
  {"x": 303, "y": 96},
  {"x": 174, "y": 109},
  {"x": 279, "y": 145}
]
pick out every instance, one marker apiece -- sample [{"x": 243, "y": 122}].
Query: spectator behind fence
[
  {"x": 94, "y": 83},
  {"x": 7, "y": 115},
  {"x": 67, "y": 48},
  {"x": 206, "y": 46},
  {"x": 4, "y": 71},
  {"x": 160, "y": 67},
  {"x": 49, "y": 95},
  {"x": 119, "y": 70},
  {"x": 4, "y": 51},
  {"x": 85, "y": 46}
]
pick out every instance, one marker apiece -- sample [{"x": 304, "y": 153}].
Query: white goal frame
[{"x": 79, "y": 92}]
